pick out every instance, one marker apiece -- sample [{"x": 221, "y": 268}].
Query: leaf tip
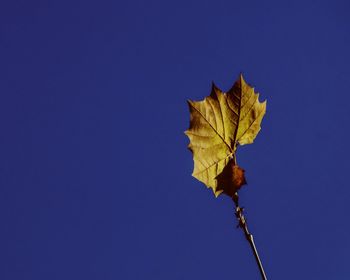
[
  {"x": 217, "y": 193},
  {"x": 213, "y": 85},
  {"x": 214, "y": 90},
  {"x": 241, "y": 79}
]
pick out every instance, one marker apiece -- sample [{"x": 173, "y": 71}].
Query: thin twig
[{"x": 242, "y": 223}]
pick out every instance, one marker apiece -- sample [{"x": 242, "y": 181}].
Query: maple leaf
[{"x": 217, "y": 125}]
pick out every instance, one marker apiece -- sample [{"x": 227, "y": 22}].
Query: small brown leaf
[{"x": 231, "y": 179}]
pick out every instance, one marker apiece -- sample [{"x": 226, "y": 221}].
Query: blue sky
[{"x": 95, "y": 176}]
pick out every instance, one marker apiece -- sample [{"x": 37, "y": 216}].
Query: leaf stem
[{"x": 242, "y": 223}]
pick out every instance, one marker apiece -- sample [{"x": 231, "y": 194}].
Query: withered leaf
[{"x": 217, "y": 124}]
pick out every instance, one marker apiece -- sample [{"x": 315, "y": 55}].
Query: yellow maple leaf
[{"x": 217, "y": 124}]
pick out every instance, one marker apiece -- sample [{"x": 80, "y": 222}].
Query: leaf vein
[{"x": 228, "y": 146}]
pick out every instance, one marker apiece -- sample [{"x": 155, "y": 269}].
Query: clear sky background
[{"x": 95, "y": 176}]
